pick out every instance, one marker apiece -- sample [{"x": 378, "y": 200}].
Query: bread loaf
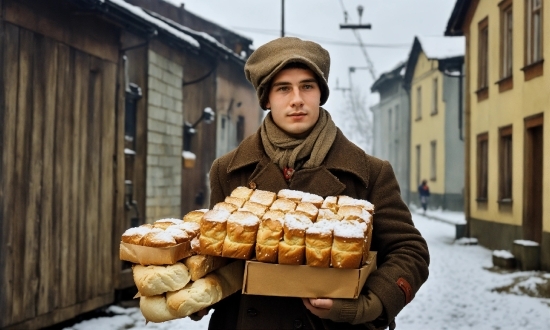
[
  {"x": 283, "y": 204},
  {"x": 165, "y": 223},
  {"x": 347, "y": 245},
  {"x": 270, "y": 233},
  {"x": 200, "y": 265},
  {"x": 195, "y": 296},
  {"x": 242, "y": 227},
  {"x": 293, "y": 246},
  {"x": 225, "y": 206},
  {"x": 238, "y": 202},
  {"x": 319, "y": 243},
  {"x": 155, "y": 309},
  {"x": 195, "y": 216},
  {"x": 308, "y": 209},
  {"x": 327, "y": 214},
  {"x": 155, "y": 280},
  {"x": 213, "y": 232},
  {"x": 293, "y": 195},
  {"x": 313, "y": 199},
  {"x": 256, "y": 208},
  {"x": 158, "y": 238},
  {"x": 242, "y": 192},
  {"x": 263, "y": 197},
  {"x": 354, "y": 212},
  {"x": 135, "y": 235},
  {"x": 179, "y": 235},
  {"x": 331, "y": 203}
]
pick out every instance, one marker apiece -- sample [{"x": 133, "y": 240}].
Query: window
[
  {"x": 482, "y": 166},
  {"x": 506, "y": 45},
  {"x": 505, "y": 164},
  {"x": 397, "y": 118},
  {"x": 240, "y": 129},
  {"x": 433, "y": 161},
  {"x": 418, "y": 103},
  {"x": 390, "y": 120},
  {"x": 418, "y": 179},
  {"x": 435, "y": 97},
  {"x": 483, "y": 55},
  {"x": 533, "y": 31}
]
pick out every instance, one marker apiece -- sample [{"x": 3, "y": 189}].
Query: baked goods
[
  {"x": 354, "y": 212},
  {"x": 242, "y": 227},
  {"x": 242, "y": 192},
  {"x": 155, "y": 309},
  {"x": 313, "y": 199},
  {"x": 309, "y": 209},
  {"x": 319, "y": 243},
  {"x": 347, "y": 245},
  {"x": 270, "y": 233},
  {"x": 195, "y": 296},
  {"x": 283, "y": 204},
  {"x": 256, "y": 208},
  {"x": 135, "y": 235},
  {"x": 213, "y": 231},
  {"x": 158, "y": 238},
  {"x": 238, "y": 202},
  {"x": 331, "y": 203},
  {"x": 263, "y": 197},
  {"x": 293, "y": 195},
  {"x": 225, "y": 206},
  {"x": 154, "y": 280},
  {"x": 200, "y": 265},
  {"x": 165, "y": 223},
  {"x": 195, "y": 216},
  {"x": 293, "y": 246},
  {"x": 328, "y": 214}
]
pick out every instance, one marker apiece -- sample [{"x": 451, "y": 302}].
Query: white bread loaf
[
  {"x": 155, "y": 309},
  {"x": 165, "y": 223},
  {"x": 213, "y": 232},
  {"x": 292, "y": 248},
  {"x": 263, "y": 197},
  {"x": 225, "y": 206},
  {"x": 313, "y": 199},
  {"x": 347, "y": 245},
  {"x": 293, "y": 195},
  {"x": 195, "y": 216},
  {"x": 256, "y": 208},
  {"x": 242, "y": 227},
  {"x": 270, "y": 233},
  {"x": 155, "y": 280},
  {"x": 200, "y": 265},
  {"x": 309, "y": 209},
  {"x": 283, "y": 204},
  {"x": 242, "y": 192},
  {"x": 331, "y": 203},
  {"x": 135, "y": 235},
  {"x": 195, "y": 296},
  {"x": 238, "y": 202},
  {"x": 319, "y": 243}
]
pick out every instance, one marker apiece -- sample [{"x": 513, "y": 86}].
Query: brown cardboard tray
[
  {"x": 305, "y": 281},
  {"x": 147, "y": 255}
]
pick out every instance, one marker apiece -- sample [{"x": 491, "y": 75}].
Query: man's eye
[
  {"x": 282, "y": 88},
  {"x": 307, "y": 87}
]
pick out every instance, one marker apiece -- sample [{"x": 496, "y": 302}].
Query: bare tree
[{"x": 358, "y": 123}]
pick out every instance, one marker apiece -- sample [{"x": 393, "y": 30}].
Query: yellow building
[
  {"x": 507, "y": 107},
  {"x": 433, "y": 80}
]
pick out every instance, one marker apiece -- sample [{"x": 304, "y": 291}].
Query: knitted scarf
[{"x": 291, "y": 153}]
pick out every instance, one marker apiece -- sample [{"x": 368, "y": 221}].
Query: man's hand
[
  {"x": 197, "y": 316},
  {"x": 318, "y": 307}
]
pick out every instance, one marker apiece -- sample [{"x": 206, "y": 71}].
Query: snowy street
[{"x": 462, "y": 292}]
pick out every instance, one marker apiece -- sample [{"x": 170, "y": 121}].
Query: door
[{"x": 532, "y": 198}]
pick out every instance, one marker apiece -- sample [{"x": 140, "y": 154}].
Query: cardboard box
[
  {"x": 305, "y": 281},
  {"x": 147, "y": 255}
]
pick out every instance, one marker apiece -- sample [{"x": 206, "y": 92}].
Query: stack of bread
[{"x": 288, "y": 227}]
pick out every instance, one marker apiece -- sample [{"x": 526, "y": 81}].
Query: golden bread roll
[
  {"x": 331, "y": 203},
  {"x": 309, "y": 209},
  {"x": 213, "y": 232},
  {"x": 346, "y": 200},
  {"x": 165, "y": 223},
  {"x": 319, "y": 243},
  {"x": 195, "y": 296},
  {"x": 155, "y": 309},
  {"x": 192, "y": 228},
  {"x": 270, "y": 233},
  {"x": 293, "y": 246},
  {"x": 135, "y": 235},
  {"x": 158, "y": 238},
  {"x": 195, "y": 216},
  {"x": 225, "y": 206},
  {"x": 242, "y": 192},
  {"x": 181, "y": 236},
  {"x": 238, "y": 202},
  {"x": 242, "y": 228},
  {"x": 263, "y": 197},
  {"x": 293, "y": 195},
  {"x": 354, "y": 212},
  {"x": 196, "y": 245},
  {"x": 327, "y": 214},
  {"x": 313, "y": 199},
  {"x": 155, "y": 280},
  {"x": 347, "y": 245},
  {"x": 283, "y": 204},
  {"x": 256, "y": 208},
  {"x": 201, "y": 265}
]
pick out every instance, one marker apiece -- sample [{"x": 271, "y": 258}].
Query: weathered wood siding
[{"x": 57, "y": 196}]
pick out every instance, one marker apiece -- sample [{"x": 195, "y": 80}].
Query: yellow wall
[
  {"x": 507, "y": 108},
  {"x": 429, "y": 127}
]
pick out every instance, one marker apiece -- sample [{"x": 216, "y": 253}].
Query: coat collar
[{"x": 251, "y": 151}]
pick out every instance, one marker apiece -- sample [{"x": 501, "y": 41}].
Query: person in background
[
  {"x": 299, "y": 147},
  {"x": 424, "y": 194}
]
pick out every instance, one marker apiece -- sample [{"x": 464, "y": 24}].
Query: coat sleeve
[{"x": 403, "y": 256}]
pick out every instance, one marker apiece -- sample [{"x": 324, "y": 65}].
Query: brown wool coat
[{"x": 402, "y": 258}]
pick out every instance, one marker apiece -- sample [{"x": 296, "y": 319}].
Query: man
[
  {"x": 424, "y": 194},
  {"x": 299, "y": 147}
]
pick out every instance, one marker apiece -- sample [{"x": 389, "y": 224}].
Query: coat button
[
  {"x": 252, "y": 312},
  {"x": 252, "y": 185},
  {"x": 298, "y": 324}
]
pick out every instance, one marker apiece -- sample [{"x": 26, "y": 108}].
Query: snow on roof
[
  {"x": 138, "y": 11},
  {"x": 439, "y": 47}
]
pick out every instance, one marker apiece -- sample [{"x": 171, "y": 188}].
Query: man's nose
[{"x": 297, "y": 100}]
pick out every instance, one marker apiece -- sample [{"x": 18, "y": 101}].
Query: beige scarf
[{"x": 291, "y": 152}]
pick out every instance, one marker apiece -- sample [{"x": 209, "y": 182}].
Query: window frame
[
  {"x": 482, "y": 160},
  {"x": 433, "y": 160},
  {"x": 418, "y": 102},
  {"x": 531, "y": 41},
  {"x": 506, "y": 39},
  {"x": 505, "y": 166},
  {"x": 435, "y": 96},
  {"x": 483, "y": 60}
]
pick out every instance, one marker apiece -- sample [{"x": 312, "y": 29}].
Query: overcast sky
[{"x": 394, "y": 25}]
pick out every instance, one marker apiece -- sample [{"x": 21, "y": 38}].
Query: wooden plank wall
[{"x": 57, "y": 188}]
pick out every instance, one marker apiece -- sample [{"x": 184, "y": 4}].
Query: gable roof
[
  {"x": 394, "y": 74},
  {"x": 456, "y": 21}
]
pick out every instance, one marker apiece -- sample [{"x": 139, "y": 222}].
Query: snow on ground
[{"x": 464, "y": 291}]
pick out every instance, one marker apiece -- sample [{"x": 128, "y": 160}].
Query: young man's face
[{"x": 294, "y": 100}]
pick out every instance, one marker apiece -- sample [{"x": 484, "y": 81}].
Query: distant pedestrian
[{"x": 424, "y": 194}]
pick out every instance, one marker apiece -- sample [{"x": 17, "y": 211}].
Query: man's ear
[{"x": 268, "y": 105}]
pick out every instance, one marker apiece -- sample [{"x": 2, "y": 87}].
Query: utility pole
[
  {"x": 354, "y": 26},
  {"x": 282, "y": 18}
]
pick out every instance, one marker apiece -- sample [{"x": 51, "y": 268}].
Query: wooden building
[
  {"x": 93, "y": 104},
  {"x": 507, "y": 112}
]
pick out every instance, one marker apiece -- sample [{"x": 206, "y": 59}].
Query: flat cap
[{"x": 270, "y": 58}]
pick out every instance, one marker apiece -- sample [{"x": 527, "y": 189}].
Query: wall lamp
[{"x": 189, "y": 130}]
